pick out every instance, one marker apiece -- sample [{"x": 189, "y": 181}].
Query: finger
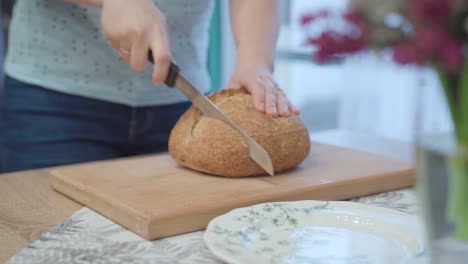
[
  {"x": 283, "y": 104},
  {"x": 162, "y": 58},
  {"x": 270, "y": 98},
  {"x": 139, "y": 55},
  {"x": 124, "y": 50},
  {"x": 125, "y": 56},
  {"x": 258, "y": 94},
  {"x": 115, "y": 45},
  {"x": 293, "y": 109},
  {"x": 233, "y": 85}
]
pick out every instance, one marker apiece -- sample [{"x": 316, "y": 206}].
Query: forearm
[
  {"x": 255, "y": 25},
  {"x": 95, "y": 3}
]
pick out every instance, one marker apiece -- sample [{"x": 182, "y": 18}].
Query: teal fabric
[
  {"x": 214, "y": 55},
  {"x": 60, "y": 46}
]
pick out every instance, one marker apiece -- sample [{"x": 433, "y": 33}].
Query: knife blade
[{"x": 209, "y": 109}]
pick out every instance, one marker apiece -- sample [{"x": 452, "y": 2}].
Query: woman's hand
[
  {"x": 133, "y": 28},
  {"x": 255, "y": 25},
  {"x": 267, "y": 95}
]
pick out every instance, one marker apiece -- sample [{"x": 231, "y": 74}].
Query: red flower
[
  {"x": 326, "y": 44},
  {"x": 435, "y": 12},
  {"x": 331, "y": 43},
  {"x": 435, "y": 43},
  {"x": 406, "y": 53},
  {"x": 452, "y": 55},
  {"x": 430, "y": 40},
  {"x": 354, "y": 18},
  {"x": 309, "y": 18}
]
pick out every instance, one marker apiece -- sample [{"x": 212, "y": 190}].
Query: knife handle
[{"x": 171, "y": 75}]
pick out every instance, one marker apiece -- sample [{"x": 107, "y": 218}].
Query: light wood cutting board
[{"x": 154, "y": 197}]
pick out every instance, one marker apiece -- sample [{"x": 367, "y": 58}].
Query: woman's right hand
[{"x": 133, "y": 28}]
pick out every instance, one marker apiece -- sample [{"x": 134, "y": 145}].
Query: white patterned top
[{"x": 60, "y": 46}]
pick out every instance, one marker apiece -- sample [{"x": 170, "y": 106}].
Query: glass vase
[{"x": 442, "y": 177}]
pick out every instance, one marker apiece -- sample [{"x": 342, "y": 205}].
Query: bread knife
[{"x": 209, "y": 109}]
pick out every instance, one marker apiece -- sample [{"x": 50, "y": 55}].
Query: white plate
[{"x": 314, "y": 232}]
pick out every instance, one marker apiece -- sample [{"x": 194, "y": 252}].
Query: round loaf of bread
[{"x": 212, "y": 146}]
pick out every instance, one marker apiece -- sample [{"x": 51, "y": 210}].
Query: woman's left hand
[{"x": 267, "y": 95}]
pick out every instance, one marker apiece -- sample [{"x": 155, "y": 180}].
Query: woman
[{"x": 71, "y": 97}]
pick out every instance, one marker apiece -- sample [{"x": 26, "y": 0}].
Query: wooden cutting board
[{"x": 154, "y": 197}]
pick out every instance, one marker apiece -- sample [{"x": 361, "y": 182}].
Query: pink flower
[
  {"x": 436, "y": 12},
  {"x": 452, "y": 55},
  {"x": 309, "y": 18},
  {"x": 354, "y": 17},
  {"x": 326, "y": 43},
  {"x": 434, "y": 43},
  {"x": 430, "y": 40},
  {"x": 406, "y": 53},
  {"x": 449, "y": 52},
  {"x": 331, "y": 43}
]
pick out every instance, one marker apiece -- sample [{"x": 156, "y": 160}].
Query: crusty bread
[{"x": 212, "y": 146}]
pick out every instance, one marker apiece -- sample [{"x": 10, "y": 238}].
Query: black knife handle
[{"x": 171, "y": 75}]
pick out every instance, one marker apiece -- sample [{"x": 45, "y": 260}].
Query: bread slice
[{"x": 212, "y": 146}]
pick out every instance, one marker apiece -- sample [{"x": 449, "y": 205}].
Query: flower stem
[
  {"x": 462, "y": 118},
  {"x": 456, "y": 93},
  {"x": 458, "y": 197},
  {"x": 450, "y": 96},
  {"x": 459, "y": 163}
]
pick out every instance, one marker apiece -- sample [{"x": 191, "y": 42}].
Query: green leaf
[
  {"x": 450, "y": 95},
  {"x": 264, "y": 236},
  {"x": 462, "y": 121},
  {"x": 458, "y": 195},
  {"x": 292, "y": 221},
  {"x": 321, "y": 206}
]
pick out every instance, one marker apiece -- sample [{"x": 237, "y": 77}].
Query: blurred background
[{"x": 366, "y": 93}]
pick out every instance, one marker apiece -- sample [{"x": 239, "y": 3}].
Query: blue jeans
[{"x": 41, "y": 128}]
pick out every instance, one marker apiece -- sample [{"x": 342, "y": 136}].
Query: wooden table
[{"x": 28, "y": 206}]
